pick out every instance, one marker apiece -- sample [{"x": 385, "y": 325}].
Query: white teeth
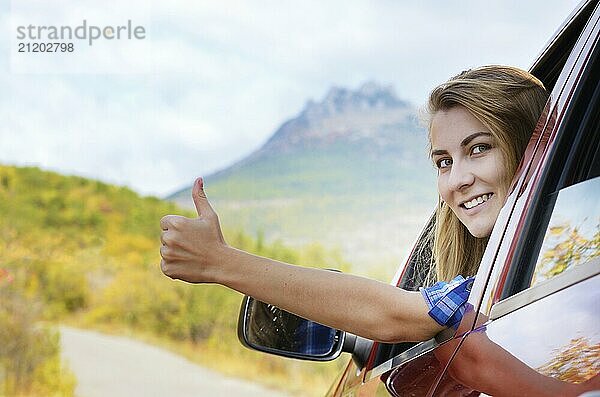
[{"x": 476, "y": 201}]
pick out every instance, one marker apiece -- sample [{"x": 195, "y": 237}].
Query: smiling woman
[
  {"x": 471, "y": 163},
  {"x": 480, "y": 122},
  {"x": 471, "y": 178}
]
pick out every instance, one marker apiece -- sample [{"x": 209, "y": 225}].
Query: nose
[{"x": 461, "y": 176}]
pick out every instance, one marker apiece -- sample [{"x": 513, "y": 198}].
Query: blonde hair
[{"x": 508, "y": 101}]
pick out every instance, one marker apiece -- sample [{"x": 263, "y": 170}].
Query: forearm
[
  {"x": 194, "y": 250},
  {"x": 361, "y": 306}
]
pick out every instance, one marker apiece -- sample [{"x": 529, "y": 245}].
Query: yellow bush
[
  {"x": 64, "y": 288},
  {"x": 142, "y": 299},
  {"x": 29, "y": 352}
]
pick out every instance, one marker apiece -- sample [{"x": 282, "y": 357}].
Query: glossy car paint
[{"x": 557, "y": 336}]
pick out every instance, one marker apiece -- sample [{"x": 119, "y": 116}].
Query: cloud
[{"x": 213, "y": 80}]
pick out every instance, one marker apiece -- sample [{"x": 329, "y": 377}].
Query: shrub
[{"x": 30, "y": 362}]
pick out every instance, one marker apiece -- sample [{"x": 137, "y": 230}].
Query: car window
[
  {"x": 572, "y": 237},
  {"x": 414, "y": 276},
  {"x": 563, "y": 223}
]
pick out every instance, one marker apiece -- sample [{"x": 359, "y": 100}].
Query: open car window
[{"x": 415, "y": 276}]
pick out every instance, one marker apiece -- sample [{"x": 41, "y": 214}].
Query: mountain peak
[
  {"x": 338, "y": 100},
  {"x": 371, "y": 117}
]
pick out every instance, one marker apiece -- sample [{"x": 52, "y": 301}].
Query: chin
[{"x": 480, "y": 231}]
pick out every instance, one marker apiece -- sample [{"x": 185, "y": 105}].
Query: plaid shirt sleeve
[{"x": 446, "y": 300}]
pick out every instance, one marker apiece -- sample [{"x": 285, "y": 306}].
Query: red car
[{"x": 533, "y": 316}]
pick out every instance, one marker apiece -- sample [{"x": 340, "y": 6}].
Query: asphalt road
[{"x": 107, "y": 365}]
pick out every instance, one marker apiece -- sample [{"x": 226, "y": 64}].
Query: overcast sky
[{"x": 212, "y": 80}]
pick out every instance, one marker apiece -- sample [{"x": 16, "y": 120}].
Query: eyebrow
[{"x": 464, "y": 142}]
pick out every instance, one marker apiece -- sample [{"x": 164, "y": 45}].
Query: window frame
[
  {"x": 565, "y": 280},
  {"x": 573, "y": 158}
]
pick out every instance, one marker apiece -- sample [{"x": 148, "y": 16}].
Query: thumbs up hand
[
  {"x": 203, "y": 207},
  {"x": 191, "y": 246}
]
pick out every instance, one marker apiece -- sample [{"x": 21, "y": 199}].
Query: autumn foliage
[{"x": 87, "y": 253}]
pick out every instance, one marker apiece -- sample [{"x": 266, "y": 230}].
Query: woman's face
[{"x": 471, "y": 170}]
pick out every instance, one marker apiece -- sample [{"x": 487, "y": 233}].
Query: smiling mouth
[{"x": 477, "y": 201}]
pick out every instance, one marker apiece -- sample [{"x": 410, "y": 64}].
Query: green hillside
[
  {"x": 350, "y": 170},
  {"x": 368, "y": 204},
  {"x": 83, "y": 252},
  {"x": 325, "y": 171}
]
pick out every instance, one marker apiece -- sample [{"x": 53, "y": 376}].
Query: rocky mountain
[
  {"x": 342, "y": 116},
  {"x": 371, "y": 119},
  {"x": 349, "y": 171}
]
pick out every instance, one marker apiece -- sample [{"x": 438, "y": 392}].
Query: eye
[
  {"x": 444, "y": 163},
  {"x": 480, "y": 148}
]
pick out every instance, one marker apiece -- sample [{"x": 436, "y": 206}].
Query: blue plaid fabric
[{"x": 447, "y": 299}]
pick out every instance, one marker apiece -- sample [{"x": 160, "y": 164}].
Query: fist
[{"x": 191, "y": 247}]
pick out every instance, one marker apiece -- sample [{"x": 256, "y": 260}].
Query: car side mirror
[{"x": 269, "y": 329}]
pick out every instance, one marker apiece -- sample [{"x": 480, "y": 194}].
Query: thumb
[{"x": 200, "y": 201}]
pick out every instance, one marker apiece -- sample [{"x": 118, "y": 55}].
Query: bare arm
[{"x": 194, "y": 250}]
